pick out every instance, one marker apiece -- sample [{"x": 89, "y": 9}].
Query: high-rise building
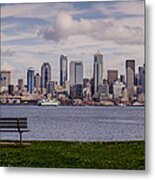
[
  {"x": 122, "y": 78},
  {"x": 130, "y": 76},
  {"x": 76, "y": 73},
  {"x": 45, "y": 76},
  {"x": 5, "y": 80},
  {"x": 11, "y": 89},
  {"x": 103, "y": 91},
  {"x": 98, "y": 71},
  {"x": 51, "y": 87},
  {"x": 63, "y": 69},
  {"x": 112, "y": 77},
  {"x": 142, "y": 76},
  {"x": 20, "y": 84},
  {"x": 76, "y": 79},
  {"x": 136, "y": 80},
  {"x": 86, "y": 89},
  {"x": 37, "y": 81},
  {"x": 117, "y": 89},
  {"x": 86, "y": 81},
  {"x": 30, "y": 80}
]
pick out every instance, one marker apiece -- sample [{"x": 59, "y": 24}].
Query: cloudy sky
[{"x": 40, "y": 32}]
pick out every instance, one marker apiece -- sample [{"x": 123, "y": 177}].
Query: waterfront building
[
  {"x": 20, "y": 84},
  {"x": 30, "y": 80},
  {"x": 11, "y": 89},
  {"x": 117, "y": 89},
  {"x": 136, "y": 83},
  {"x": 67, "y": 87},
  {"x": 63, "y": 69},
  {"x": 142, "y": 76},
  {"x": 5, "y": 80},
  {"x": 86, "y": 90},
  {"x": 37, "y": 80},
  {"x": 76, "y": 79},
  {"x": 76, "y": 73},
  {"x": 85, "y": 82},
  {"x": 98, "y": 71},
  {"x": 45, "y": 76},
  {"x": 112, "y": 77},
  {"x": 139, "y": 90},
  {"x": 130, "y": 76},
  {"x": 141, "y": 98},
  {"x": 51, "y": 85},
  {"x": 76, "y": 91},
  {"x": 125, "y": 98},
  {"x": 103, "y": 91},
  {"x": 122, "y": 78}
]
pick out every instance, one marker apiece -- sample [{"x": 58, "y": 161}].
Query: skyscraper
[
  {"x": 112, "y": 76},
  {"x": 98, "y": 71},
  {"x": 142, "y": 76},
  {"x": 122, "y": 78},
  {"x": 5, "y": 80},
  {"x": 37, "y": 81},
  {"x": 30, "y": 80},
  {"x": 20, "y": 84},
  {"x": 45, "y": 76},
  {"x": 130, "y": 76},
  {"x": 63, "y": 69},
  {"x": 76, "y": 73},
  {"x": 117, "y": 89},
  {"x": 76, "y": 79},
  {"x": 11, "y": 89}
]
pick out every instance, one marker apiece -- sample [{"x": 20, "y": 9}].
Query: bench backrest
[{"x": 13, "y": 123}]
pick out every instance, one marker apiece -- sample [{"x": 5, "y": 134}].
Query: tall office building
[
  {"x": 20, "y": 84},
  {"x": 130, "y": 76},
  {"x": 76, "y": 73},
  {"x": 118, "y": 86},
  {"x": 63, "y": 69},
  {"x": 30, "y": 80},
  {"x": 112, "y": 77},
  {"x": 98, "y": 71},
  {"x": 5, "y": 80},
  {"x": 142, "y": 76},
  {"x": 37, "y": 81},
  {"x": 76, "y": 79},
  {"x": 51, "y": 87},
  {"x": 11, "y": 89},
  {"x": 45, "y": 76},
  {"x": 122, "y": 78}
]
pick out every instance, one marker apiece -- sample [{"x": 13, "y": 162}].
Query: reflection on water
[{"x": 79, "y": 123}]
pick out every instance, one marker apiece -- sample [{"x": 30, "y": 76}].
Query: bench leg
[{"x": 20, "y": 134}]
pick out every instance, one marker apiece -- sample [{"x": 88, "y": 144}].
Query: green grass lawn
[{"x": 58, "y": 154}]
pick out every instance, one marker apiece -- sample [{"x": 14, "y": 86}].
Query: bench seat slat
[
  {"x": 14, "y": 130},
  {"x": 12, "y": 123},
  {"x": 12, "y": 127},
  {"x": 8, "y": 118}
]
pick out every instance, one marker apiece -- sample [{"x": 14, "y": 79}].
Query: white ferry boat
[{"x": 48, "y": 102}]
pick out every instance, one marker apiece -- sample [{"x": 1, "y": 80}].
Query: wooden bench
[{"x": 19, "y": 125}]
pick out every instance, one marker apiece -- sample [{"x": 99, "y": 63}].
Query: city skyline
[
  {"x": 35, "y": 33},
  {"x": 77, "y": 87},
  {"x": 137, "y": 71}
]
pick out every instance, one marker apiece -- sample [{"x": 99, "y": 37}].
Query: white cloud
[{"x": 100, "y": 29}]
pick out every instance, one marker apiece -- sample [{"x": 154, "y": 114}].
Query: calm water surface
[{"x": 78, "y": 123}]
